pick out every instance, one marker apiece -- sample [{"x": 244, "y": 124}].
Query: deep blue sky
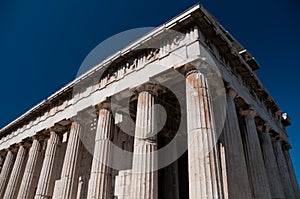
[{"x": 42, "y": 44}]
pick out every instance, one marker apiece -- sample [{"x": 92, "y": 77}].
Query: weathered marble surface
[{"x": 236, "y": 165}]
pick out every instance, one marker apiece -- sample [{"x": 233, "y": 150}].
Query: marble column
[
  {"x": 6, "y": 171},
  {"x": 144, "y": 176},
  {"x": 271, "y": 164},
  {"x": 284, "y": 172},
  {"x": 16, "y": 175},
  {"x": 100, "y": 185},
  {"x": 27, "y": 187},
  {"x": 238, "y": 181},
  {"x": 256, "y": 167},
  {"x": 292, "y": 173},
  {"x": 1, "y": 161},
  {"x": 224, "y": 170},
  {"x": 47, "y": 176},
  {"x": 68, "y": 175},
  {"x": 202, "y": 158}
]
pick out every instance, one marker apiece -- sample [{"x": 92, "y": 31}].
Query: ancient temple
[{"x": 177, "y": 114}]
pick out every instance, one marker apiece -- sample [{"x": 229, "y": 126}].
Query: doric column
[
  {"x": 292, "y": 173},
  {"x": 202, "y": 158},
  {"x": 256, "y": 167},
  {"x": 1, "y": 161},
  {"x": 271, "y": 164},
  {"x": 16, "y": 175},
  {"x": 68, "y": 175},
  {"x": 284, "y": 172},
  {"x": 27, "y": 187},
  {"x": 5, "y": 172},
  {"x": 224, "y": 170},
  {"x": 47, "y": 178},
  {"x": 100, "y": 182},
  {"x": 144, "y": 178},
  {"x": 238, "y": 181}
]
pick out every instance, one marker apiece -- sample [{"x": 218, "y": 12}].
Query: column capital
[
  {"x": 231, "y": 92},
  {"x": 152, "y": 88},
  {"x": 286, "y": 146},
  {"x": 273, "y": 139},
  {"x": 35, "y": 137},
  {"x": 25, "y": 144},
  {"x": 4, "y": 152},
  {"x": 32, "y": 138},
  {"x": 40, "y": 136},
  {"x": 75, "y": 119},
  {"x": 190, "y": 71},
  {"x": 50, "y": 129},
  {"x": 22, "y": 144},
  {"x": 13, "y": 148},
  {"x": 283, "y": 143},
  {"x": 187, "y": 69},
  {"x": 200, "y": 65},
  {"x": 278, "y": 139},
  {"x": 265, "y": 128},
  {"x": 105, "y": 104},
  {"x": 46, "y": 136},
  {"x": 248, "y": 112}
]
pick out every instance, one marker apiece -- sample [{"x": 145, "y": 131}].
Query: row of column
[
  {"x": 266, "y": 172},
  {"x": 254, "y": 159},
  {"x": 255, "y": 167},
  {"x": 21, "y": 182}
]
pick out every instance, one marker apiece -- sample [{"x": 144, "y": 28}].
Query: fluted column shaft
[
  {"x": 202, "y": 160},
  {"x": 144, "y": 178},
  {"x": 100, "y": 183},
  {"x": 256, "y": 167},
  {"x": 5, "y": 172},
  {"x": 292, "y": 173},
  {"x": 16, "y": 175},
  {"x": 68, "y": 175},
  {"x": 47, "y": 178},
  {"x": 238, "y": 181},
  {"x": 1, "y": 162},
  {"x": 284, "y": 172},
  {"x": 224, "y": 170},
  {"x": 271, "y": 165},
  {"x": 27, "y": 186}
]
